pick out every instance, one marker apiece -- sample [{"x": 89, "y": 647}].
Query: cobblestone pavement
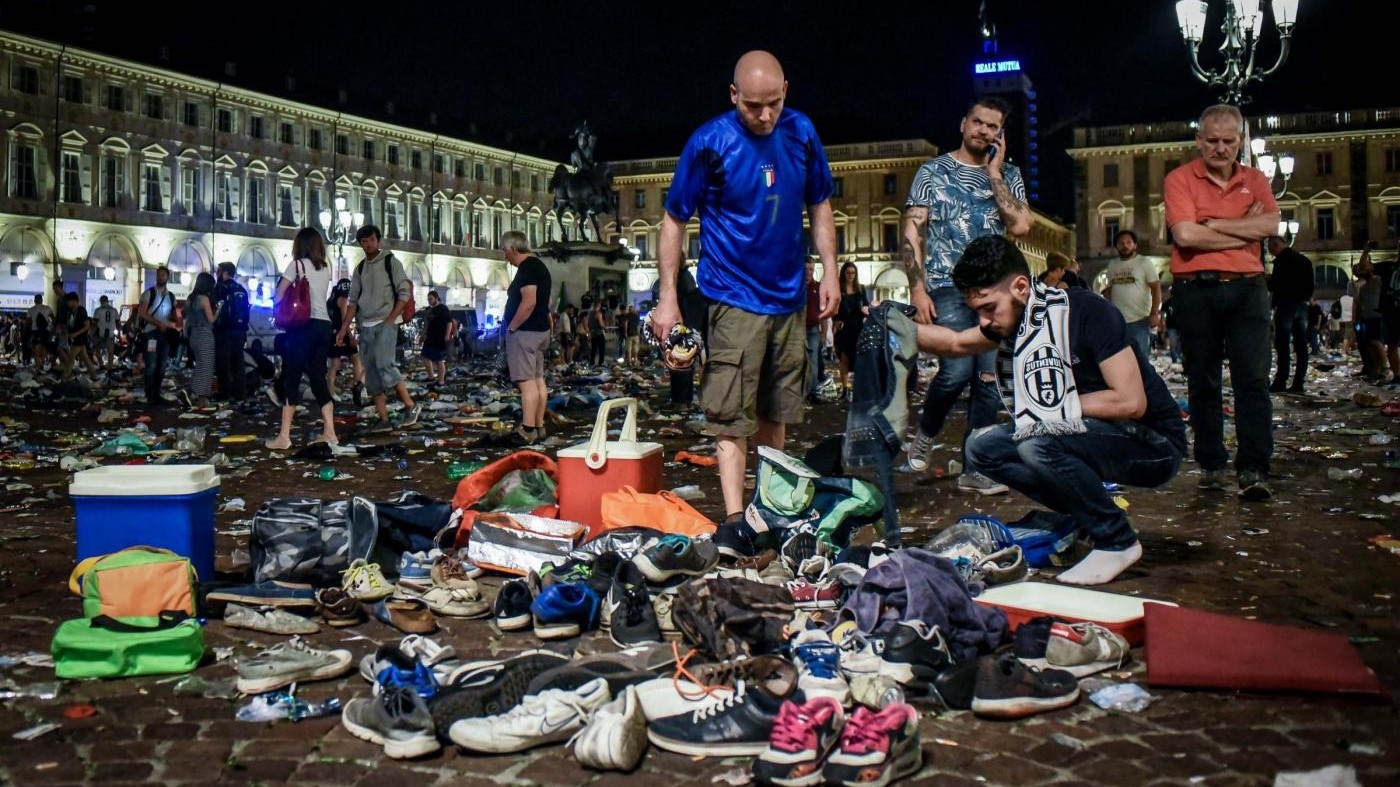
[{"x": 1314, "y": 568}]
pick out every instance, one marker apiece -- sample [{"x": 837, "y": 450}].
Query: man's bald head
[{"x": 758, "y": 91}]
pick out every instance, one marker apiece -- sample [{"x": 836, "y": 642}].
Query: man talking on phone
[{"x": 955, "y": 199}]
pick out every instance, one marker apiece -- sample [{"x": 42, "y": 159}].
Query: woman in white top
[{"x": 306, "y": 347}]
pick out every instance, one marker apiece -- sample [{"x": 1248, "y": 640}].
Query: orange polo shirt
[{"x": 1192, "y": 196}]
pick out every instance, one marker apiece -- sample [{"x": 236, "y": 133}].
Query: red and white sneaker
[
  {"x": 803, "y": 735},
  {"x": 876, "y": 748},
  {"x": 814, "y": 594}
]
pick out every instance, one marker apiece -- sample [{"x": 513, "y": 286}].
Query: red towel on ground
[{"x": 1191, "y": 648}]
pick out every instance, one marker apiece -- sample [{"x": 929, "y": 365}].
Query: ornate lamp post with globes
[{"x": 338, "y": 226}]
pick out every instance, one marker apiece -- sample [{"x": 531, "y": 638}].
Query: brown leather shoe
[
  {"x": 338, "y": 608},
  {"x": 409, "y": 615}
]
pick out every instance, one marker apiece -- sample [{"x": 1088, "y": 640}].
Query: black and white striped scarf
[{"x": 1034, "y": 371}]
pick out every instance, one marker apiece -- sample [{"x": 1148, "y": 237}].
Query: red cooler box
[{"x": 588, "y": 471}]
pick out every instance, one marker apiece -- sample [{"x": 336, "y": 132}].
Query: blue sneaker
[
  {"x": 418, "y": 677},
  {"x": 737, "y": 537},
  {"x": 565, "y": 610},
  {"x": 415, "y": 567}
]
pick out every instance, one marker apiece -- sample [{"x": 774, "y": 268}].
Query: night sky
[{"x": 520, "y": 74}]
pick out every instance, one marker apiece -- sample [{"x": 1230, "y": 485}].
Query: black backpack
[
  {"x": 234, "y": 310},
  {"x": 41, "y": 323}
]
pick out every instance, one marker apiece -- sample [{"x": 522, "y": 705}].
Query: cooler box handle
[{"x": 597, "y": 454}]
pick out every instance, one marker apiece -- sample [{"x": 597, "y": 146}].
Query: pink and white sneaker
[
  {"x": 876, "y": 748},
  {"x": 803, "y": 735},
  {"x": 810, "y": 594}
]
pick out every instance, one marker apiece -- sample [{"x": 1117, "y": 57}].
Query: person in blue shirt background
[{"x": 748, "y": 174}]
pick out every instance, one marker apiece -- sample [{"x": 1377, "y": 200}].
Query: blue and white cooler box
[{"x": 169, "y": 506}]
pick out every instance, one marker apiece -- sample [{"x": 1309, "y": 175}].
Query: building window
[
  {"x": 255, "y": 126},
  {"x": 535, "y": 182},
  {"x": 480, "y": 171},
  {"x": 313, "y": 207},
  {"x": 391, "y": 219},
  {"x": 23, "y": 181},
  {"x": 113, "y": 181},
  {"x": 256, "y": 199},
  {"x": 189, "y": 114},
  {"x": 838, "y": 187},
  {"x": 1392, "y": 160},
  {"x": 24, "y": 78},
  {"x": 1171, "y": 165},
  {"x": 439, "y": 165},
  {"x": 224, "y": 197},
  {"x": 692, "y": 250},
  {"x": 889, "y": 238},
  {"x": 1110, "y": 231},
  {"x": 189, "y": 187},
  {"x": 476, "y": 238},
  {"x": 1326, "y": 224},
  {"x": 153, "y": 105},
  {"x": 313, "y": 138},
  {"x": 223, "y": 121},
  {"x": 1324, "y": 163},
  {"x": 643, "y": 252},
  {"x": 367, "y": 150},
  {"x": 515, "y": 178},
  {"x": 71, "y": 89},
  {"x": 150, "y": 188},
  {"x": 639, "y": 199},
  {"x": 891, "y": 185},
  {"x": 415, "y": 159},
  {"x": 114, "y": 98},
  {"x": 498, "y": 176},
  {"x": 367, "y": 208},
  {"x": 459, "y": 226},
  {"x": 391, "y": 153},
  {"x": 1392, "y": 221},
  {"x": 71, "y": 181},
  {"x": 286, "y": 133},
  {"x": 841, "y": 239},
  {"x": 415, "y": 220},
  {"x": 459, "y": 167},
  {"x": 1110, "y": 176},
  {"x": 285, "y": 216}
]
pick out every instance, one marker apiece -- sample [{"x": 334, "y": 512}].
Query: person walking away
[
  {"x": 954, "y": 199},
  {"x": 850, "y": 318},
  {"x": 104, "y": 321},
  {"x": 527, "y": 332},
  {"x": 79, "y": 329},
  {"x": 232, "y": 314},
  {"x": 199, "y": 323},
  {"x": 436, "y": 322},
  {"x": 1317, "y": 326},
  {"x": 598, "y": 333},
  {"x": 156, "y": 315},
  {"x": 1291, "y": 285},
  {"x": 748, "y": 174},
  {"x": 1370, "y": 327},
  {"x": 379, "y": 293},
  {"x": 306, "y": 346},
  {"x": 1219, "y": 211},
  {"x": 1135, "y": 288},
  {"x": 1388, "y": 273},
  {"x": 632, "y": 324}
]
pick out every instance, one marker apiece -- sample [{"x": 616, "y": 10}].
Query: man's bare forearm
[
  {"x": 668, "y": 256},
  {"x": 912, "y": 249},
  {"x": 1250, "y": 228},
  {"x": 1014, "y": 212}
]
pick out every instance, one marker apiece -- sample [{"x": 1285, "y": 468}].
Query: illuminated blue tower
[{"x": 1000, "y": 75}]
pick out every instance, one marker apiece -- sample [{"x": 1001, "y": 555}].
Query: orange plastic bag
[
  {"x": 475, "y": 486},
  {"x": 662, "y": 511}
]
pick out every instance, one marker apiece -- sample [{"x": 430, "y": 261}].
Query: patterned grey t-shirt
[{"x": 960, "y": 210}]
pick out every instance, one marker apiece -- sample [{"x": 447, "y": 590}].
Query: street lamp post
[
  {"x": 1244, "y": 21},
  {"x": 338, "y": 225},
  {"x": 1271, "y": 165}
]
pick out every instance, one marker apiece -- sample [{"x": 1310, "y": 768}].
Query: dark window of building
[
  {"x": 1110, "y": 176},
  {"x": 25, "y": 79},
  {"x": 150, "y": 189},
  {"x": 1324, "y": 163},
  {"x": 459, "y": 167},
  {"x": 1110, "y": 230},
  {"x": 643, "y": 252},
  {"x": 367, "y": 150},
  {"x": 313, "y": 138},
  {"x": 255, "y": 126},
  {"x": 153, "y": 105},
  {"x": 841, "y": 239},
  {"x": 1326, "y": 224},
  {"x": 1392, "y": 160},
  {"x": 535, "y": 182},
  {"x": 342, "y": 144},
  {"x": 114, "y": 98},
  {"x": 693, "y": 247},
  {"x": 415, "y": 159},
  {"x": 439, "y": 165},
  {"x": 891, "y": 185},
  {"x": 838, "y": 187},
  {"x": 72, "y": 89},
  {"x": 285, "y": 132},
  {"x": 889, "y": 238},
  {"x": 1170, "y": 165},
  {"x": 391, "y": 153},
  {"x": 515, "y": 178},
  {"x": 1392, "y": 221},
  {"x": 664, "y": 194},
  {"x": 498, "y": 176},
  {"x": 23, "y": 181},
  {"x": 224, "y": 120},
  {"x": 285, "y": 216},
  {"x": 480, "y": 171},
  {"x": 189, "y": 113},
  {"x": 639, "y": 199},
  {"x": 71, "y": 181}
]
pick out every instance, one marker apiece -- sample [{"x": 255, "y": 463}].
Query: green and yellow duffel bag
[{"x": 105, "y": 647}]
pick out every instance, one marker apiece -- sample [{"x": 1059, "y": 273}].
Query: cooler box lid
[
  {"x": 143, "y": 480},
  {"x": 1043, "y": 598},
  {"x": 622, "y": 449},
  {"x": 598, "y": 449}
]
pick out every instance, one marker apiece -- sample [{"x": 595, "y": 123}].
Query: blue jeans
[
  {"x": 1066, "y": 473},
  {"x": 1291, "y": 322},
  {"x": 1220, "y": 321},
  {"x": 814, "y": 358},
  {"x": 1140, "y": 333},
  {"x": 954, "y": 374}
]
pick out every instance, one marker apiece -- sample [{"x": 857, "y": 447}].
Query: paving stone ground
[{"x": 1314, "y": 568}]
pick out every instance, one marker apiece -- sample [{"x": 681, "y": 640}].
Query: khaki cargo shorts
[{"x": 755, "y": 367}]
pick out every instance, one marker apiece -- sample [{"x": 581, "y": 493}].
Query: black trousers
[{"x": 228, "y": 363}]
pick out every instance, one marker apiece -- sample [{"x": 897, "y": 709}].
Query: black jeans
[
  {"x": 228, "y": 363},
  {"x": 157, "y": 350},
  {"x": 1066, "y": 473},
  {"x": 955, "y": 374},
  {"x": 1291, "y": 322},
  {"x": 305, "y": 353},
  {"x": 1220, "y": 321}
]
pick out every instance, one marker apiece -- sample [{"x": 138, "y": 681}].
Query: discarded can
[
  {"x": 402, "y": 464},
  {"x": 327, "y": 473},
  {"x": 457, "y": 471}
]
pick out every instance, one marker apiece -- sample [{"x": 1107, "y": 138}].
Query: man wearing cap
[
  {"x": 749, "y": 174},
  {"x": 230, "y": 332}
]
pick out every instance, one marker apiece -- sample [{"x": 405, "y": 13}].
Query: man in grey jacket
[{"x": 379, "y": 293}]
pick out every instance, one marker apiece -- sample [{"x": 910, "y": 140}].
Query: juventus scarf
[{"x": 1033, "y": 368}]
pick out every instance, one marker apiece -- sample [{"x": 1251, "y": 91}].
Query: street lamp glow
[
  {"x": 1191, "y": 18},
  {"x": 339, "y": 204},
  {"x": 1241, "y": 27},
  {"x": 22, "y": 271},
  {"x": 109, "y": 273},
  {"x": 1293, "y": 226},
  {"x": 324, "y": 217},
  {"x": 1257, "y": 146},
  {"x": 1268, "y": 166},
  {"x": 1285, "y": 14},
  {"x": 1282, "y": 229},
  {"x": 1285, "y": 165}
]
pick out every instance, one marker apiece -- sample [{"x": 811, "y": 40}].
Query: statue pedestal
[
  {"x": 586, "y": 251},
  {"x": 587, "y": 266}
]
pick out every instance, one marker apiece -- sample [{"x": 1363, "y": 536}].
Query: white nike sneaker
[
  {"x": 547, "y": 717},
  {"x": 616, "y": 737}
]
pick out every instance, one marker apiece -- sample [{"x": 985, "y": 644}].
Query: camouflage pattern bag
[
  {"x": 302, "y": 539},
  {"x": 728, "y": 617}
]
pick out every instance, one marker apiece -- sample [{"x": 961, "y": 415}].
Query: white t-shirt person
[
  {"x": 1130, "y": 287},
  {"x": 320, "y": 281}
]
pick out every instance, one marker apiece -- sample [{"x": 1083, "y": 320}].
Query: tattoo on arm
[
  {"x": 1006, "y": 203},
  {"x": 912, "y": 248}
]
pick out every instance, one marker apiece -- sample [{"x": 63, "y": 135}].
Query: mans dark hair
[
  {"x": 71, "y": 296},
  {"x": 991, "y": 102},
  {"x": 987, "y": 261},
  {"x": 1121, "y": 233},
  {"x": 367, "y": 231},
  {"x": 228, "y": 267}
]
